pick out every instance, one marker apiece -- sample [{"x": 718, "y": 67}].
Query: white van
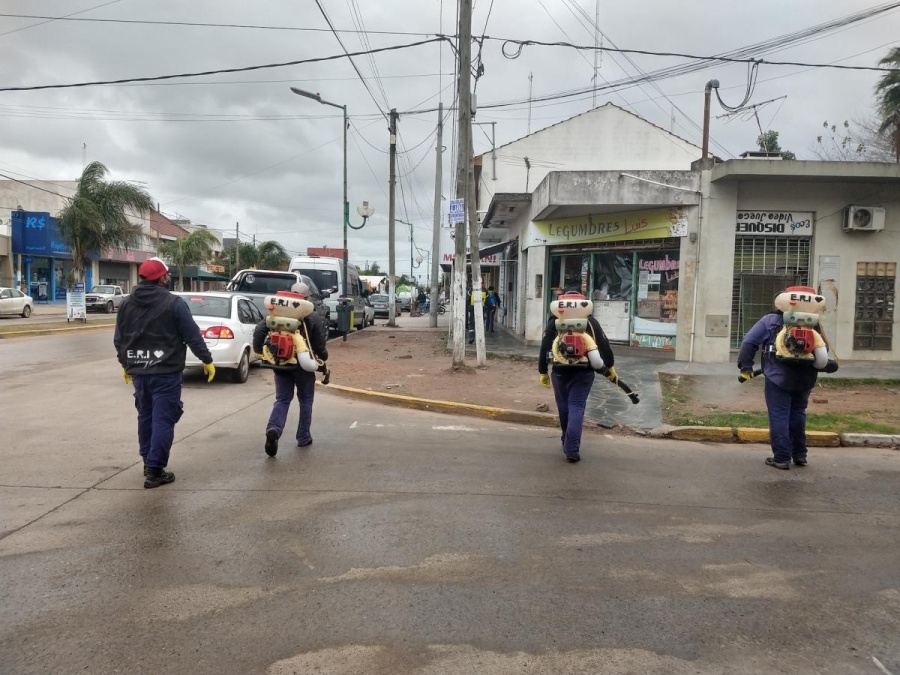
[{"x": 328, "y": 275}]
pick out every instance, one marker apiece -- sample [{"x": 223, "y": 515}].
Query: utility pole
[
  {"x": 530, "y": 85},
  {"x": 392, "y": 206},
  {"x": 475, "y": 257},
  {"x": 463, "y": 162},
  {"x": 237, "y": 245},
  {"x": 596, "y": 53},
  {"x": 436, "y": 233}
]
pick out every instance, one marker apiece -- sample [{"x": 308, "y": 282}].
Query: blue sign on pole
[{"x": 457, "y": 211}]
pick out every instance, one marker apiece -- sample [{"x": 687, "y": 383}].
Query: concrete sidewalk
[{"x": 640, "y": 368}]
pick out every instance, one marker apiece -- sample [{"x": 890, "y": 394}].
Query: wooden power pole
[
  {"x": 392, "y": 210},
  {"x": 463, "y": 161},
  {"x": 436, "y": 234}
]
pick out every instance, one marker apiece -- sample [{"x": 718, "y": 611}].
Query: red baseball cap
[{"x": 153, "y": 269}]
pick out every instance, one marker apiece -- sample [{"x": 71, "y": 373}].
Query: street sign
[
  {"x": 457, "y": 211},
  {"x": 75, "y": 305}
]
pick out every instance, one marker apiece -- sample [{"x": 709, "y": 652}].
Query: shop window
[
  {"x": 569, "y": 273},
  {"x": 612, "y": 278},
  {"x": 874, "y": 318},
  {"x": 657, "y": 293}
]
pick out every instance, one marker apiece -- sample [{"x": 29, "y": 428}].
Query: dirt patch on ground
[
  {"x": 418, "y": 364},
  {"x": 697, "y": 397}
]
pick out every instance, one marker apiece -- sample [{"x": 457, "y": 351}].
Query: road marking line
[
  {"x": 881, "y": 667},
  {"x": 353, "y": 426}
]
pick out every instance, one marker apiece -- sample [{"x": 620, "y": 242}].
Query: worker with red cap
[{"x": 152, "y": 329}]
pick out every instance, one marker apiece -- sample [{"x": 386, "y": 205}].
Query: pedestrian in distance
[
  {"x": 794, "y": 351},
  {"x": 576, "y": 346},
  {"x": 421, "y": 301},
  {"x": 153, "y": 329},
  {"x": 289, "y": 380},
  {"x": 492, "y": 307}
]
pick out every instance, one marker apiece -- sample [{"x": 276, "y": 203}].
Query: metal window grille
[
  {"x": 763, "y": 266},
  {"x": 874, "y": 313}
]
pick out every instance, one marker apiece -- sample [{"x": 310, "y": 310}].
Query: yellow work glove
[
  {"x": 612, "y": 375},
  {"x": 745, "y": 375},
  {"x": 126, "y": 376},
  {"x": 545, "y": 380},
  {"x": 210, "y": 371}
]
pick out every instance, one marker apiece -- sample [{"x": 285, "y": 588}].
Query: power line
[
  {"x": 242, "y": 69},
  {"x": 725, "y": 59},
  {"x": 143, "y": 22},
  {"x": 51, "y": 19},
  {"x": 352, "y": 62}
]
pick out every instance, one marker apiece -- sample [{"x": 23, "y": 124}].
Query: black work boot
[
  {"x": 272, "y": 442},
  {"x": 784, "y": 466},
  {"x": 156, "y": 477}
]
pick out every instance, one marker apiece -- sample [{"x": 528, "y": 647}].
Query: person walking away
[
  {"x": 492, "y": 307},
  {"x": 421, "y": 300},
  {"x": 790, "y": 362},
  {"x": 572, "y": 378},
  {"x": 287, "y": 381},
  {"x": 153, "y": 328}
]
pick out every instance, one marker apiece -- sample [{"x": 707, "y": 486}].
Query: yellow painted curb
[
  {"x": 53, "y": 331},
  {"x": 823, "y": 439},
  {"x": 450, "y": 407},
  {"x": 714, "y": 434},
  {"x": 751, "y": 435}
]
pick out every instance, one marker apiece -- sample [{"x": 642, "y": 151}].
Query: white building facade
[{"x": 684, "y": 256}]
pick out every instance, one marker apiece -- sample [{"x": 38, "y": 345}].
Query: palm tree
[
  {"x": 194, "y": 249},
  {"x": 888, "y": 93},
  {"x": 94, "y": 219},
  {"x": 266, "y": 255}
]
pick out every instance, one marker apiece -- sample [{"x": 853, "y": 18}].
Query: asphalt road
[{"x": 409, "y": 542}]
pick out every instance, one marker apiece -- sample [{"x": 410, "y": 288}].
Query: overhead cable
[
  {"x": 521, "y": 44},
  {"x": 242, "y": 69},
  {"x": 142, "y": 22}
]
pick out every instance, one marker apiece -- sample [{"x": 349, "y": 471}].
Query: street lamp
[{"x": 365, "y": 210}]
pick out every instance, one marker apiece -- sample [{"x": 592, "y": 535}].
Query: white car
[
  {"x": 226, "y": 322},
  {"x": 13, "y": 301},
  {"x": 370, "y": 314}
]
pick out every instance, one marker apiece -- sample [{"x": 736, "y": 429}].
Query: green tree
[
  {"x": 373, "y": 270},
  {"x": 887, "y": 91},
  {"x": 768, "y": 142},
  {"x": 194, "y": 249},
  {"x": 266, "y": 255},
  {"x": 94, "y": 218}
]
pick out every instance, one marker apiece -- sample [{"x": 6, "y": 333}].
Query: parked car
[
  {"x": 257, "y": 284},
  {"x": 370, "y": 314},
  {"x": 404, "y": 301},
  {"x": 380, "y": 304},
  {"x": 226, "y": 322},
  {"x": 14, "y": 301},
  {"x": 104, "y": 298}
]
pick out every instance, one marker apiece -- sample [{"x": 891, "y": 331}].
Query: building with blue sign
[{"x": 46, "y": 260}]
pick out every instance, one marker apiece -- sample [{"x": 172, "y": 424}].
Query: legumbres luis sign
[{"x": 36, "y": 233}]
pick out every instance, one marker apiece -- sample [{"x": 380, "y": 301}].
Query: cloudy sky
[{"x": 242, "y": 148}]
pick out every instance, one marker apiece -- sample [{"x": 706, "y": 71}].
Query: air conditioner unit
[{"x": 863, "y": 219}]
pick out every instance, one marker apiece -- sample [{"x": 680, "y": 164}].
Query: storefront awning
[{"x": 494, "y": 248}]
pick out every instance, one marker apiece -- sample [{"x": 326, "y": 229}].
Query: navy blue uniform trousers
[
  {"x": 571, "y": 387},
  {"x": 159, "y": 407},
  {"x": 285, "y": 383},
  {"x": 787, "y": 421}
]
